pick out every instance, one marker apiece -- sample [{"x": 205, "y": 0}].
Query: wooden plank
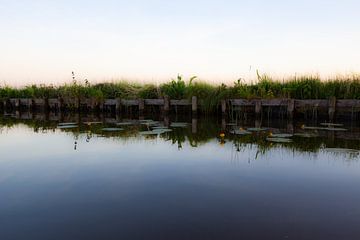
[
  {"x": 110, "y": 102},
  {"x": 241, "y": 102},
  {"x": 276, "y": 102},
  {"x": 156, "y": 102},
  {"x": 311, "y": 103},
  {"x": 133, "y": 102},
  {"x": 182, "y": 102},
  {"x": 345, "y": 103}
]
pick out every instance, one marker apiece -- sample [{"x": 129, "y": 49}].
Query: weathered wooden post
[
  {"x": 5, "y": 104},
  {"x": 166, "y": 104},
  {"x": 17, "y": 104},
  {"x": 290, "y": 108},
  {"x": 46, "y": 105},
  {"x": 141, "y": 107},
  {"x": 258, "y": 108},
  {"x": 332, "y": 108},
  {"x": 223, "y": 107},
  {"x": 194, "y": 105},
  {"x": 118, "y": 106},
  {"x": 61, "y": 104}
]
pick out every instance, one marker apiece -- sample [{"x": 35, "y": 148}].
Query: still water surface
[{"x": 86, "y": 183}]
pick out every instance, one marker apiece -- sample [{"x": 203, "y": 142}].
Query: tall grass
[{"x": 304, "y": 87}]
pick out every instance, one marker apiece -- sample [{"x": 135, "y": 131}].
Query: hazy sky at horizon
[{"x": 43, "y": 41}]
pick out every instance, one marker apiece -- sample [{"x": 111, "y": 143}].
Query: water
[{"x": 84, "y": 183}]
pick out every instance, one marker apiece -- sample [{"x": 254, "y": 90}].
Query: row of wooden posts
[{"x": 291, "y": 105}]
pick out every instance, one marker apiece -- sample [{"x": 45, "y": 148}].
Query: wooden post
[
  {"x": 141, "y": 106},
  {"x": 332, "y": 108},
  {"x": 61, "y": 104},
  {"x": 223, "y": 107},
  {"x": 223, "y": 124},
  {"x": 118, "y": 105},
  {"x": 46, "y": 104},
  {"x": 166, "y": 104},
  {"x": 194, "y": 104},
  {"x": 6, "y": 105},
  {"x": 17, "y": 104},
  {"x": 258, "y": 108},
  {"x": 290, "y": 108}
]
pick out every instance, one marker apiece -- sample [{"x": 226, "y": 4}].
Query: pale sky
[{"x": 43, "y": 41}]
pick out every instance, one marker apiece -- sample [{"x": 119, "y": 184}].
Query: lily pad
[
  {"x": 112, "y": 129},
  {"x": 281, "y": 135},
  {"x": 240, "y": 132},
  {"x": 67, "y": 123},
  {"x": 67, "y": 126},
  {"x": 125, "y": 123},
  {"x": 335, "y": 129},
  {"x": 279, "y": 140},
  {"x": 314, "y": 128},
  {"x": 306, "y": 135},
  {"x": 148, "y": 133},
  {"x": 92, "y": 123},
  {"x": 161, "y": 131},
  {"x": 332, "y": 124},
  {"x": 257, "y": 129}
]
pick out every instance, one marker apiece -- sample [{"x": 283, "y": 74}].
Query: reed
[{"x": 303, "y": 87}]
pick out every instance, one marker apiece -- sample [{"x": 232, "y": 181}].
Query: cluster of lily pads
[
  {"x": 153, "y": 127},
  {"x": 287, "y": 137}
]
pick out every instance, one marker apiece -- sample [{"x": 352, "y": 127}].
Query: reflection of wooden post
[
  {"x": 290, "y": 127},
  {"x": 223, "y": 124},
  {"x": 118, "y": 106},
  {"x": 223, "y": 107},
  {"x": 258, "y": 108},
  {"x": 194, "y": 126},
  {"x": 194, "y": 104},
  {"x": 257, "y": 123},
  {"x": 290, "y": 108},
  {"x": 332, "y": 108},
  {"x": 166, "y": 104},
  {"x": 166, "y": 121}
]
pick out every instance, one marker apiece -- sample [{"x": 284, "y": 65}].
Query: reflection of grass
[{"x": 207, "y": 130}]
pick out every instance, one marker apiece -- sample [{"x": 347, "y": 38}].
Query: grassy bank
[{"x": 307, "y": 87}]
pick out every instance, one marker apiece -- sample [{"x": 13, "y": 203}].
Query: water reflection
[
  {"x": 197, "y": 181},
  {"x": 195, "y": 132}
]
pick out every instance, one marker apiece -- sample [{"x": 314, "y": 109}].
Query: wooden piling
[
  {"x": 332, "y": 108},
  {"x": 290, "y": 108},
  {"x": 223, "y": 107},
  {"x": 166, "y": 104},
  {"x": 194, "y": 104},
  {"x": 141, "y": 106},
  {"x": 258, "y": 108},
  {"x": 118, "y": 105}
]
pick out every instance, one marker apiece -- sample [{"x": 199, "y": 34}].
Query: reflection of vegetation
[{"x": 206, "y": 130}]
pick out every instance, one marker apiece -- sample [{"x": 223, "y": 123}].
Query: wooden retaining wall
[{"x": 291, "y": 106}]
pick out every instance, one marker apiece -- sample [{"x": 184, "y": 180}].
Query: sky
[{"x": 43, "y": 41}]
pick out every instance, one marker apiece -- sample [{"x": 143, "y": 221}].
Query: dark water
[{"x": 85, "y": 183}]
